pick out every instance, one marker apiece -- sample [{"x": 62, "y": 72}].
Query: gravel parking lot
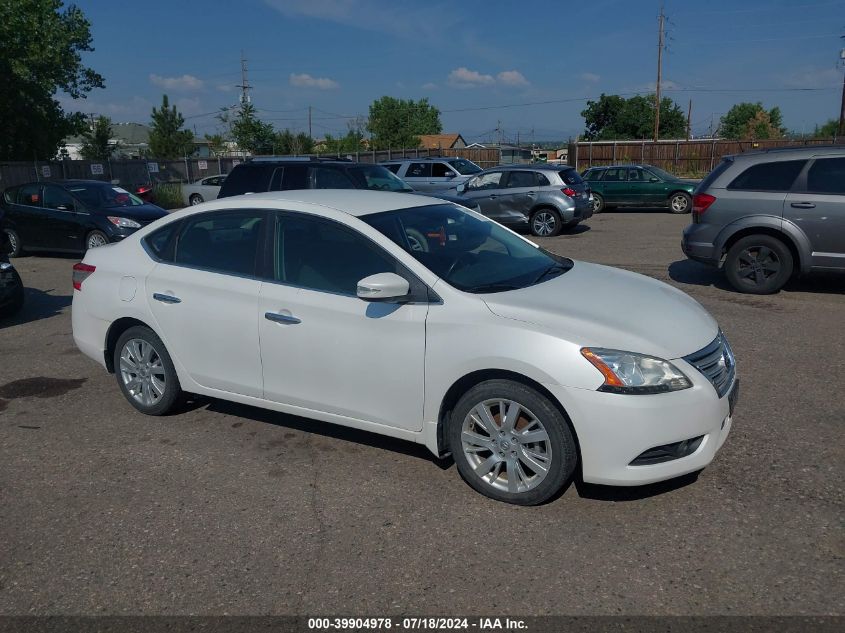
[{"x": 231, "y": 509}]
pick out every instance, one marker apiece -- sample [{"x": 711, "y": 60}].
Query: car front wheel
[
  {"x": 16, "y": 248},
  {"x": 758, "y": 264},
  {"x": 145, "y": 372},
  {"x": 511, "y": 443}
]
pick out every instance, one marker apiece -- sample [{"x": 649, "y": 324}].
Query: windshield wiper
[
  {"x": 554, "y": 268},
  {"x": 498, "y": 287}
]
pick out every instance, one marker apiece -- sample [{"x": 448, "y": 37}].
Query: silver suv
[
  {"x": 763, "y": 216},
  {"x": 545, "y": 198},
  {"x": 430, "y": 174}
]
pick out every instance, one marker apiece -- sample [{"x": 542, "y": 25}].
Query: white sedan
[
  {"x": 413, "y": 318},
  {"x": 202, "y": 190}
]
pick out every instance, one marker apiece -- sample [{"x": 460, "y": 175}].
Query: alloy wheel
[
  {"x": 96, "y": 239},
  {"x": 506, "y": 445},
  {"x": 758, "y": 264},
  {"x": 13, "y": 241},
  {"x": 543, "y": 223},
  {"x": 142, "y": 372},
  {"x": 679, "y": 204}
]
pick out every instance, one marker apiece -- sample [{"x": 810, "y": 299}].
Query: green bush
[{"x": 168, "y": 195}]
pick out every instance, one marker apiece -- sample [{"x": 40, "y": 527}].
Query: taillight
[
  {"x": 569, "y": 191},
  {"x": 701, "y": 202},
  {"x": 81, "y": 272}
]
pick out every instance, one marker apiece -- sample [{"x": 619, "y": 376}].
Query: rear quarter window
[
  {"x": 710, "y": 178},
  {"x": 570, "y": 177},
  {"x": 394, "y": 167},
  {"x": 771, "y": 176}
]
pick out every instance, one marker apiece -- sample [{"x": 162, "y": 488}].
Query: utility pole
[
  {"x": 499, "y": 132},
  {"x": 309, "y": 122},
  {"x": 244, "y": 85},
  {"x": 689, "y": 117},
  {"x": 842, "y": 107},
  {"x": 660, "y": 38}
]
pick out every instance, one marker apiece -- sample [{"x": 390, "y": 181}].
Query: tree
[
  {"x": 286, "y": 142},
  {"x": 40, "y": 55},
  {"x": 95, "y": 140},
  {"x": 750, "y": 121},
  {"x": 397, "y": 123},
  {"x": 167, "y": 138},
  {"x": 615, "y": 117},
  {"x": 352, "y": 142},
  {"x": 827, "y": 130},
  {"x": 216, "y": 144},
  {"x": 251, "y": 134}
]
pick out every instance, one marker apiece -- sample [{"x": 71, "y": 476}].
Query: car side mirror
[
  {"x": 383, "y": 287},
  {"x": 653, "y": 179},
  {"x": 450, "y": 174},
  {"x": 462, "y": 187}
]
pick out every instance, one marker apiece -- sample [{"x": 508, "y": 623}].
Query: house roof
[{"x": 439, "y": 141}]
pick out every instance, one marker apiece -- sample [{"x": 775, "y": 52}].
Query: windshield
[
  {"x": 663, "y": 175},
  {"x": 464, "y": 167},
  {"x": 104, "y": 196},
  {"x": 378, "y": 178},
  {"x": 467, "y": 250}
]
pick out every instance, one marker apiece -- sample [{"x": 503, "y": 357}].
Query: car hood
[
  {"x": 599, "y": 306},
  {"x": 147, "y": 212}
]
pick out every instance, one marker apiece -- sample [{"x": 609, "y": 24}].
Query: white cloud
[
  {"x": 465, "y": 78},
  {"x": 305, "y": 80},
  {"x": 512, "y": 78},
  {"x": 183, "y": 83},
  {"x": 590, "y": 77},
  {"x": 813, "y": 77},
  {"x": 429, "y": 86}
]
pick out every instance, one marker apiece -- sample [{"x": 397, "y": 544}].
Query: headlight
[
  {"x": 124, "y": 223},
  {"x": 628, "y": 372}
]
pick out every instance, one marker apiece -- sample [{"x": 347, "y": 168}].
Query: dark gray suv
[{"x": 764, "y": 216}]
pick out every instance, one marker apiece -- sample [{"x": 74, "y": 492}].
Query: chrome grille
[{"x": 716, "y": 362}]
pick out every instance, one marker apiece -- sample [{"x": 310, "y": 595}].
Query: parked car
[
  {"x": 72, "y": 215},
  {"x": 11, "y": 286},
  {"x": 546, "y": 198},
  {"x": 283, "y": 174},
  {"x": 414, "y": 318},
  {"x": 433, "y": 174},
  {"x": 638, "y": 185},
  {"x": 764, "y": 216},
  {"x": 203, "y": 189}
]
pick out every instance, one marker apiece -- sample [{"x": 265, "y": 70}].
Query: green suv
[{"x": 638, "y": 185}]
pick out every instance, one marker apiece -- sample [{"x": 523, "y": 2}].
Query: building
[{"x": 442, "y": 141}]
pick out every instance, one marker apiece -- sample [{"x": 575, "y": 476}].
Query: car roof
[
  {"x": 422, "y": 159},
  {"x": 787, "y": 152},
  {"x": 68, "y": 183},
  {"x": 538, "y": 166},
  {"x": 642, "y": 165},
  {"x": 355, "y": 202}
]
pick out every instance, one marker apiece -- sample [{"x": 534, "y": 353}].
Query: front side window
[
  {"x": 322, "y": 255},
  {"x": 377, "y": 178},
  {"x": 224, "y": 241},
  {"x": 104, "y": 196},
  {"x": 489, "y": 180},
  {"x": 418, "y": 170},
  {"x": 774, "y": 176},
  {"x": 441, "y": 170},
  {"x": 636, "y": 175},
  {"x": 394, "y": 167},
  {"x": 827, "y": 175},
  {"x": 466, "y": 250},
  {"x": 55, "y": 197}
]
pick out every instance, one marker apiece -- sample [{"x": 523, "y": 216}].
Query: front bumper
[{"x": 614, "y": 429}]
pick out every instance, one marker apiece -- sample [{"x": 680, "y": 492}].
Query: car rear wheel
[
  {"x": 511, "y": 443},
  {"x": 598, "y": 203},
  {"x": 14, "y": 243},
  {"x": 758, "y": 264},
  {"x": 680, "y": 202},
  {"x": 145, "y": 372},
  {"x": 195, "y": 199},
  {"x": 545, "y": 223},
  {"x": 95, "y": 239}
]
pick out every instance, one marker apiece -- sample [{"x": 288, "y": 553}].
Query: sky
[{"x": 526, "y": 67}]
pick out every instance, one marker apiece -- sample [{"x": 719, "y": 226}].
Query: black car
[
  {"x": 72, "y": 215},
  {"x": 283, "y": 174},
  {"x": 11, "y": 286}
]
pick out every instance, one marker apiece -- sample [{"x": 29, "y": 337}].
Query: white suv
[
  {"x": 433, "y": 174},
  {"x": 418, "y": 319}
]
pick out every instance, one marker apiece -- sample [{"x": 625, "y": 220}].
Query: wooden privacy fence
[
  {"x": 696, "y": 157},
  {"x": 482, "y": 157}
]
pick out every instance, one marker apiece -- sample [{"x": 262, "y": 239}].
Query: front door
[
  {"x": 486, "y": 189},
  {"x": 205, "y": 301},
  {"x": 325, "y": 349}
]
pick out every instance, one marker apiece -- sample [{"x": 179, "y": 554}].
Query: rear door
[
  {"x": 520, "y": 190},
  {"x": 817, "y": 206},
  {"x": 761, "y": 189},
  {"x": 418, "y": 176},
  {"x": 614, "y": 185},
  {"x": 65, "y": 223},
  {"x": 29, "y": 216}
]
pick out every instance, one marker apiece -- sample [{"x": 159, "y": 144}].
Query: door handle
[
  {"x": 166, "y": 298},
  {"x": 281, "y": 318},
  {"x": 803, "y": 205}
]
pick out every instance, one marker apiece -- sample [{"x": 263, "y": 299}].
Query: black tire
[
  {"x": 95, "y": 239},
  {"x": 564, "y": 455},
  {"x": 759, "y": 264},
  {"x": 195, "y": 198},
  {"x": 14, "y": 243},
  {"x": 172, "y": 391},
  {"x": 545, "y": 222},
  {"x": 598, "y": 203},
  {"x": 16, "y": 303},
  {"x": 680, "y": 202}
]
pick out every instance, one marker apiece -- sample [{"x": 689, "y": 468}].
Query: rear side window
[
  {"x": 827, "y": 175},
  {"x": 517, "y": 179},
  {"x": 418, "y": 170},
  {"x": 30, "y": 195},
  {"x": 570, "y": 177},
  {"x": 593, "y": 174},
  {"x": 705, "y": 184},
  {"x": 226, "y": 241},
  {"x": 252, "y": 178},
  {"x": 774, "y": 176},
  {"x": 394, "y": 167},
  {"x": 330, "y": 178}
]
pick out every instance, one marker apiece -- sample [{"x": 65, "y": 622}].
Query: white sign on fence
[
  {"x": 97, "y": 169},
  {"x": 235, "y": 162},
  {"x": 152, "y": 168},
  {"x": 202, "y": 164},
  {"x": 45, "y": 171}
]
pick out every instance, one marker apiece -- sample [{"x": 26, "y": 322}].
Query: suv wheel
[
  {"x": 758, "y": 264},
  {"x": 510, "y": 443},
  {"x": 545, "y": 223},
  {"x": 680, "y": 202}
]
